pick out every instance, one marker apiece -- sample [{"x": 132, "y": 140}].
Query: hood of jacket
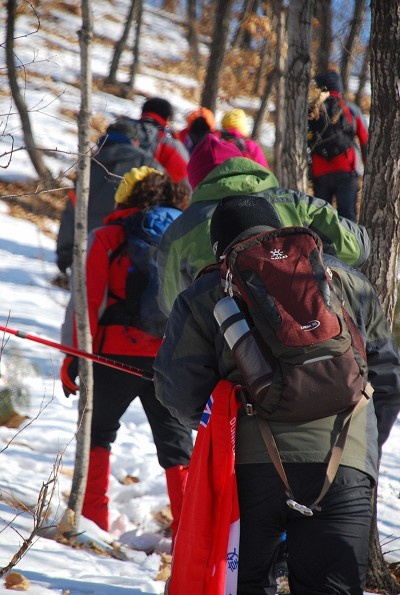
[{"x": 234, "y": 176}]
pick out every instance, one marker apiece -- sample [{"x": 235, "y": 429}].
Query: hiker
[
  {"x": 217, "y": 169},
  {"x": 327, "y": 552},
  {"x": 128, "y": 331},
  {"x": 157, "y": 114},
  {"x": 116, "y": 153},
  {"x": 234, "y": 127},
  {"x": 337, "y": 141},
  {"x": 199, "y": 123}
]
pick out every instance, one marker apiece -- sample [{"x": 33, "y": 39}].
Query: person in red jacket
[
  {"x": 130, "y": 332},
  {"x": 337, "y": 141},
  {"x": 170, "y": 151}
]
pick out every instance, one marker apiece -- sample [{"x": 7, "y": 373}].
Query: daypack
[
  {"x": 148, "y": 134},
  {"x": 143, "y": 232},
  {"x": 238, "y": 141},
  {"x": 313, "y": 351},
  {"x": 331, "y": 134}
]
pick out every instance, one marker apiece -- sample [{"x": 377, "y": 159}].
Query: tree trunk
[
  {"x": 120, "y": 46},
  {"x": 294, "y": 150},
  {"x": 136, "y": 45},
  {"x": 349, "y": 51},
  {"x": 239, "y": 37},
  {"x": 35, "y": 154},
  {"x": 217, "y": 54},
  {"x": 323, "y": 34},
  {"x": 80, "y": 249},
  {"x": 363, "y": 76},
  {"x": 192, "y": 36},
  {"x": 380, "y": 207}
]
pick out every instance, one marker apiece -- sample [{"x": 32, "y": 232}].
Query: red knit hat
[{"x": 208, "y": 154}]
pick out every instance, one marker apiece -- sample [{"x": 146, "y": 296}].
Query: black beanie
[
  {"x": 235, "y": 215},
  {"x": 330, "y": 80},
  {"x": 158, "y": 106}
]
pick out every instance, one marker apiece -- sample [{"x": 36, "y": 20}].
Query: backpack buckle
[
  {"x": 299, "y": 507},
  {"x": 248, "y": 407}
]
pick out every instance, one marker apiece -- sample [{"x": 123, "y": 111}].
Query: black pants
[
  {"x": 344, "y": 186},
  {"x": 114, "y": 391},
  {"x": 327, "y": 553}
]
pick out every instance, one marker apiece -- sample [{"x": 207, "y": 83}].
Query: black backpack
[
  {"x": 148, "y": 134},
  {"x": 310, "y": 353},
  {"x": 331, "y": 134}
]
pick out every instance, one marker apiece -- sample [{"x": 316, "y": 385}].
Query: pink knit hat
[{"x": 208, "y": 154}]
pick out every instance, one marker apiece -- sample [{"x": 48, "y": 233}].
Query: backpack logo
[
  {"x": 311, "y": 326},
  {"x": 278, "y": 255}
]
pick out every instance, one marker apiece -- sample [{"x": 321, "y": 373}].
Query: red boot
[
  {"x": 95, "y": 504},
  {"x": 176, "y": 482}
]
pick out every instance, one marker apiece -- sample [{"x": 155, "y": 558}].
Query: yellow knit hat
[
  {"x": 129, "y": 181},
  {"x": 237, "y": 119}
]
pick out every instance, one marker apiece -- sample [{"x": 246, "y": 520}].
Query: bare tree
[
  {"x": 294, "y": 150},
  {"x": 217, "y": 53},
  {"x": 380, "y": 207},
  {"x": 353, "y": 39},
  {"x": 323, "y": 35},
  {"x": 135, "y": 52},
  {"x": 363, "y": 77},
  {"x": 35, "y": 154},
  {"x": 275, "y": 81},
  {"x": 78, "y": 488},
  {"x": 192, "y": 36},
  {"x": 121, "y": 44}
]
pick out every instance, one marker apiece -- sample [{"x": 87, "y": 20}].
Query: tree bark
[
  {"x": 294, "y": 150},
  {"x": 136, "y": 52},
  {"x": 35, "y": 154},
  {"x": 363, "y": 76},
  {"x": 323, "y": 35},
  {"x": 380, "y": 207},
  {"x": 120, "y": 45},
  {"x": 217, "y": 54},
  {"x": 349, "y": 50},
  {"x": 80, "y": 249},
  {"x": 192, "y": 36}
]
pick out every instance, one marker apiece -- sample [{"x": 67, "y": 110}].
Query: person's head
[
  {"x": 207, "y": 155},
  {"x": 235, "y": 119},
  {"x": 199, "y": 123},
  {"x": 158, "y": 109},
  {"x": 329, "y": 81},
  {"x": 144, "y": 187},
  {"x": 235, "y": 215},
  {"x": 122, "y": 130}
]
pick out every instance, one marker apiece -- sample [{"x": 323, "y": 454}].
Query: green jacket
[
  {"x": 185, "y": 248},
  {"x": 194, "y": 357}
]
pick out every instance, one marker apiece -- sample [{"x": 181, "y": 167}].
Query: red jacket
[
  {"x": 346, "y": 161},
  {"x": 103, "y": 277}
]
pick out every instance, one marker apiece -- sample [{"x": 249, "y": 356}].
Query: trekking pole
[{"x": 79, "y": 353}]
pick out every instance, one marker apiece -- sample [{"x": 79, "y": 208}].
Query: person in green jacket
[
  {"x": 217, "y": 169},
  {"x": 327, "y": 552}
]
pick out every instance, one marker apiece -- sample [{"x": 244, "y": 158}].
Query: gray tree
[
  {"x": 298, "y": 68},
  {"x": 35, "y": 154},
  {"x": 85, "y": 407},
  {"x": 217, "y": 53},
  {"x": 380, "y": 207},
  {"x": 349, "y": 49}
]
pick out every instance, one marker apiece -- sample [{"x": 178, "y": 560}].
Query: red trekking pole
[{"x": 79, "y": 353}]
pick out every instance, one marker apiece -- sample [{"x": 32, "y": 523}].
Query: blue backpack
[{"x": 143, "y": 232}]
